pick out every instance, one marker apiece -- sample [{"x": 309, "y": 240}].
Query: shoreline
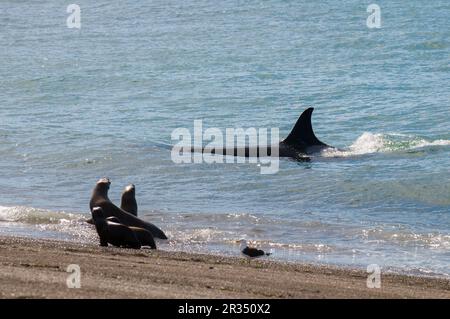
[{"x": 35, "y": 268}]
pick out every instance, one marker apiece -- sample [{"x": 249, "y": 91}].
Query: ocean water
[{"x": 103, "y": 100}]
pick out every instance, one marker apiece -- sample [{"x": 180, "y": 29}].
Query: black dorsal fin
[{"x": 302, "y": 134}]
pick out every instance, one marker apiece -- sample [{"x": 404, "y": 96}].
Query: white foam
[
  {"x": 31, "y": 215},
  {"x": 424, "y": 143},
  {"x": 43, "y": 223},
  {"x": 369, "y": 143}
]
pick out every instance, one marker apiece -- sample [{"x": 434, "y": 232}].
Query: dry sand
[{"x": 37, "y": 269}]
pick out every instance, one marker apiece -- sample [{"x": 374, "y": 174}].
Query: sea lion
[
  {"x": 143, "y": 235},
  {"x": 100, "y": 199},
  {"x": 128, "y": 202},
  {"x": 113, "y": 233}
]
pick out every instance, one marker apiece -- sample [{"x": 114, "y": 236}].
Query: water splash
[{"x": 369, "y": 143}]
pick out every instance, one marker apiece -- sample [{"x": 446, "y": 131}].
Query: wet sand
[{"x": 32, "y": 268}]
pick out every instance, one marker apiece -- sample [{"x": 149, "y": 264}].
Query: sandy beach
[{"x": 32, "y": 268}]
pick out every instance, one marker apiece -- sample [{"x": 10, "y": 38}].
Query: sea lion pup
[
  {"x": 113, "y": 233},
  {"x": 100, "y": 199},
  {"x": 128, "y": 202},
  {"x": 143, "y": 235}
]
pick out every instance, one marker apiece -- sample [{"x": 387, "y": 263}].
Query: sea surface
[{"x": 103, "y": 100}]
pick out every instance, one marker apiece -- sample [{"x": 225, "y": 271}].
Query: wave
[
  {"x": 46, "y": 224},
  {"x": 303, "y": 240},
  {"x": 224, "y": 228},
  {"x": 369, "y": 143},
  {"x": 29, "y": 215},
  {"x": 433, "y": 240}
]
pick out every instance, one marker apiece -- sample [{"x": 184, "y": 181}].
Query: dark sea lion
[
  {"x": 143, "y": 235},
  {"x": 100, "y": 199},
  {"x": 128, "y": 202},
  {"x": 113, "y": 233}
]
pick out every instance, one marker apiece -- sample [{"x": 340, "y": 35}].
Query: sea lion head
[
  {"x": 103, "y": 185},
  {"x": 104, "y": 181},
  {"x": 130, "y": 189}
]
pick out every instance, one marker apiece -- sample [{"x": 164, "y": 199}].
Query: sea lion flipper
[
  {"x": 113, "y": 219},
  {"x": 144, "y": 236},
  {"x": 155, "y": 231}
]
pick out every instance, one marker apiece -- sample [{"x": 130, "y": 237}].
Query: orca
[{"x": 298, "y": 145}]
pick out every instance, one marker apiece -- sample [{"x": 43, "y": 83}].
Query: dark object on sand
[
  {"x": 112, "y": 233},
  {"x": 251, "y": 251},
  {"x": 143, "y": 235}
]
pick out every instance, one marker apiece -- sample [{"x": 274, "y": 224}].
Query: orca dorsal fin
[{"x": 302, "y": 134}]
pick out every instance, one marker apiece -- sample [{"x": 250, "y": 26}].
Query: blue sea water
[{"x": 103, "y": 100}]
